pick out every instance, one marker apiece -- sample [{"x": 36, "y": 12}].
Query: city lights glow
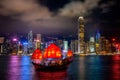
[{"x": 14, "y": 39}]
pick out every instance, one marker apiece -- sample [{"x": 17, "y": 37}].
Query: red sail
[
  {"x": 52, "y": 51},
  {"x": 70, "y": 53},
  {"x": 37, "y": 54}
]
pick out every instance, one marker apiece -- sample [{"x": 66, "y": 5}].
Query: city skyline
[{"x": 60, "y": 17}]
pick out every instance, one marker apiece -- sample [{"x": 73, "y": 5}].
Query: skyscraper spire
[{"x": 97, "y": 36}]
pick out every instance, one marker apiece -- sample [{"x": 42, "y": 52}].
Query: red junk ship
[{"x": 52, "y": 59}]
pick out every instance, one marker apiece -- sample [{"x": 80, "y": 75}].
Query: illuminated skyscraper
[
  {"x": 65, "y": 46},
  {"x": 97, "y": 45},
  {"x": 97, "y": 36},
  {"x": 38, "y": 41},
  {"x": 81, "y": 43},
  {"x": 74, "y": 46},
  {"x": 30, "y": 41},
  {"x": 92, "y": 45}
]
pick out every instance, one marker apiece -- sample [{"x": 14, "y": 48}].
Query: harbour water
[{"x": 92, "y": 67}]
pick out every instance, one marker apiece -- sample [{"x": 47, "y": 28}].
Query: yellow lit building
[{"x": 81, "y": 43}]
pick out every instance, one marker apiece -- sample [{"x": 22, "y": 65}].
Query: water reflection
[
  {"x": 13, "y": 70},
  {"x": 95, "y": 67},
  {"x": 86, "y": 68},
  {"x": 82, "y": 68},
  {"x": 116, "y": 68},
  {"x": 25, "y": 70},
  {"x": 20, "y": 68},
  {"x": 57, "y": 75}
]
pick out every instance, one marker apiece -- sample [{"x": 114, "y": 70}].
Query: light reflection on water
[
  {"x": 13, "y": 70},
  {"x": 82, "y": 68},
  {"x": 20, "y": 68},
  {"x": 58, "y": 75},
  {"x": 116, "y": 68},
  {"x": 25, "y": 68}
]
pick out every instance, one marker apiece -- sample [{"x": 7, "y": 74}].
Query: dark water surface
[{"x": 82, "y": 68}]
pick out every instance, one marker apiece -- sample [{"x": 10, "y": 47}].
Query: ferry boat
[{"x": 52, "y": 59}]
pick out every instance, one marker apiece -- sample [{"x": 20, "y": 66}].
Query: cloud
[
  {"x": 77, "y": 8},
  {"x": 40, "y": 18},
  {"x": 106, "y": 6},
  {"x": 32, "y": 12},
  {"x": 26, "y": 10}
]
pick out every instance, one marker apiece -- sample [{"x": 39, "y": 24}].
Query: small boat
[{"x": 51, "y": 59}]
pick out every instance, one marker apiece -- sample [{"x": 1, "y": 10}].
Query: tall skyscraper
[
  {"x": 97, "y": 45},
  {"x": 30, "y": 42},
  {"x": 74, "y": 46},
  {"x": 30, "y": 39},
  {"x": 81, "y": 43},
  {"x": 65, "y": 46},
  {"x": 92, "y": 45},
  {"x": 38, "y": 41}
]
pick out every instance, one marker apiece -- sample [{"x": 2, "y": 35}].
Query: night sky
[{"x": 59, "y": 17}]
